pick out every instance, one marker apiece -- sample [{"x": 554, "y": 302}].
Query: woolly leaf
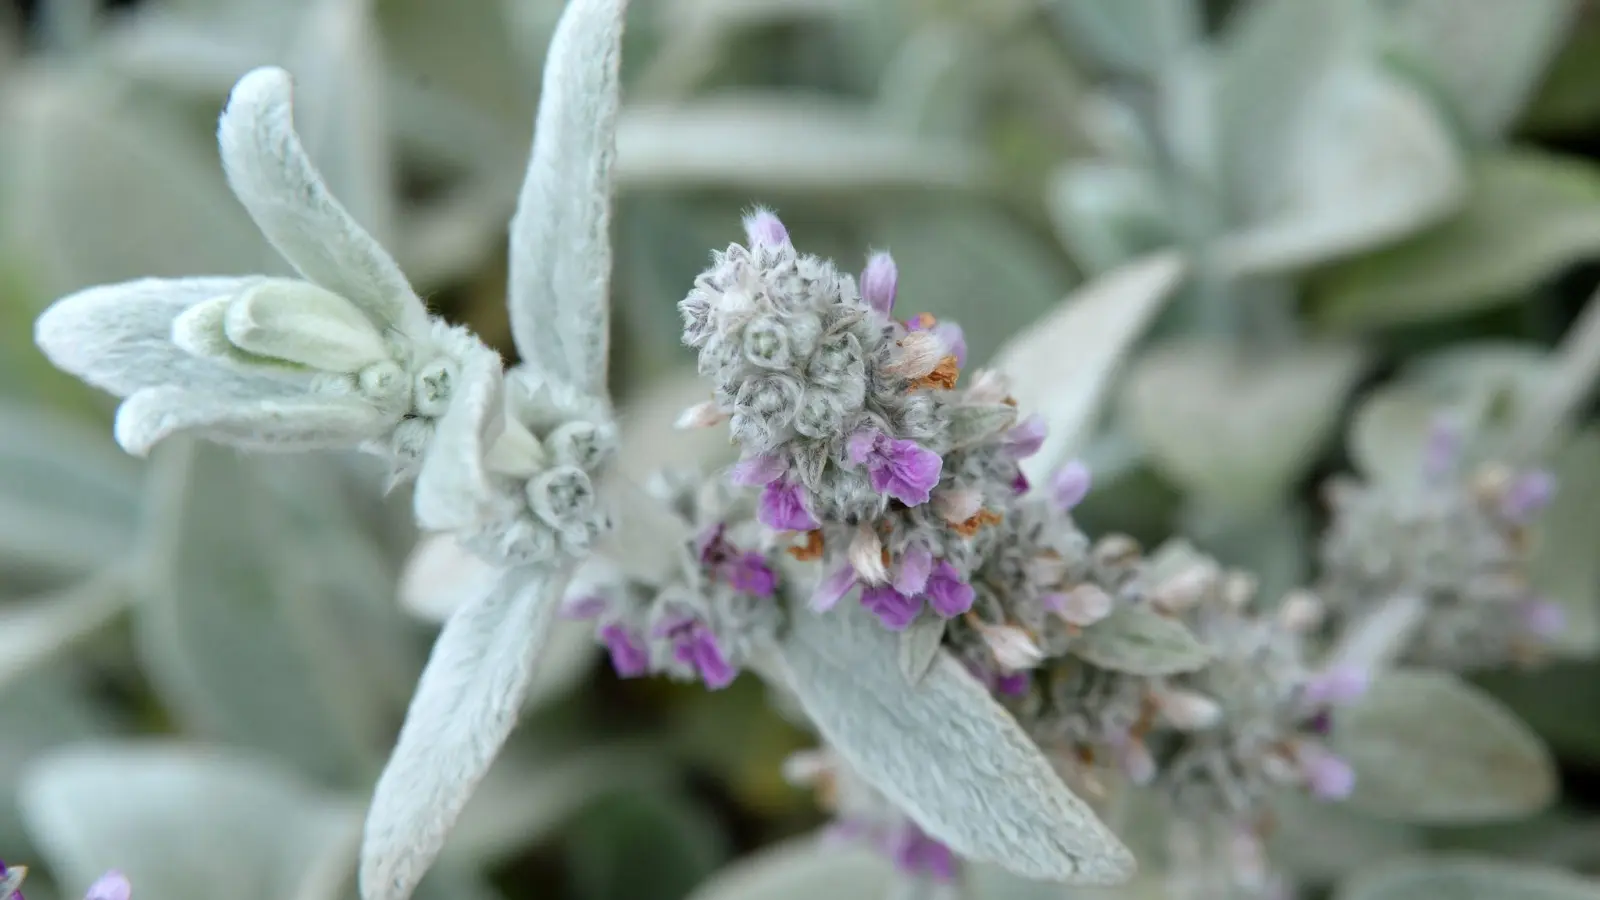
[
  {"x": 1529, "y": 215},
  {"x": 915, "y": 744},
  {"x": 286, "y": 196},
  {"x": 1429, "y": 748},
  {"x": 559, "y": 293},
  {"x": 1062, "y": 367},
  {"x": 1138, "y": 640},
  {"x": 466, "y": 704},
  {"x": 187, "y": 823}
]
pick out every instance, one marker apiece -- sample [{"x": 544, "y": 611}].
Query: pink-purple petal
[
  {"x": 628, "y": 654},
  {"x": 879, "y": 281},
  {"x": 947, "y": 592},
  {"x": 833, "y": 588},
  {"x": 758, "y": 470},
  {"x": 912, "y": 570},
  {"x": 783, "y": 507},
  {"x": 895, "y": 610}
]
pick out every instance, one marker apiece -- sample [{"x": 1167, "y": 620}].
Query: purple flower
[
  {"x": 878, "y": 283},
  {"x": 901, "y": 469},
  {"x": 747, "y": 572},
  {"x": 1527, "y": 495},
  {"x": 1543, "y": 619},
  {"x": 750, "y": 574},
  {"x": 831, "y": 589},
  {"x": 955, "y": 339},
  {"x": 694, "y": 645},
  {"x": 1336, "y": 686},
  {"x": 1020, "y": 484},
  {"x": 915, "y": 853},
  {"x": 1070, "y": 484},
  {"x": 628, "y": 654},
  {"x": 1328, "y": 776},
  {"x": 1025, "y": 438},
  {"x": 584, "y": 606},
  {"x": 758, "y": 470},
  {"x": 761, "y": 226},
  {"x": 783, "y": 507},
  {"x": 895, "y": 610},
  {"x": 112, "y": 885},
  {"x": 1014, "y": 684},
  {"x": 947, "y": 593},
  {"x": 912, "y": 571}
]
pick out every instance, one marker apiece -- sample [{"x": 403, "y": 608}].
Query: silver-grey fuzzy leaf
[
  {"x": 559, "y": 291},
  {"x": 465, "y": 707},
  {"x": 944, "y": 752}
]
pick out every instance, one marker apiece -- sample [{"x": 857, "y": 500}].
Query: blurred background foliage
[{"x": 203, "y": 660}]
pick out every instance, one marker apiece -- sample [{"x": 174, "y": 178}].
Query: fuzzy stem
[
  {"x": 1577, "y": 369},
  {"x": 1379, "y": 639}
]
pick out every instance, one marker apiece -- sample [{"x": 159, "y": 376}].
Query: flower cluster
[
  {"x": 871, "y": 460},
  {"x": 863, "y": 816},
  {"x": 720, "y": 606},
  {"x": 850, "y": 424},
  {"x": 1456, "y": 540}
]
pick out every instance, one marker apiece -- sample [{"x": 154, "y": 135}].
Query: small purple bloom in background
[
  {"x": 1327, "y": 776},
  {"x": 1020, "y": 484},
  {"x": 694, "y": 645},
  {"x": 1070, "y": 484},
  {"x": 915, "y": 853},
  {"x": 628, "y": 654},
  {"x": 879, "y": 281},
  {"x": 1337, "y": 686},
  {"x": 895, "y": 610},
  {"x": 1527, "y": 495},
  {"x": 112, "y": 885},
  {"x": 901, "y": 469},
  {"x": 783, "y": 507},
  {"x": 750, "y": 574},
  {"x": 1543, "y": 619},
  {"x": 747, "y": 572},
  {"x": 762, "y": 226}
]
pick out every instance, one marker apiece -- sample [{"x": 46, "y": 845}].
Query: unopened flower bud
[
  {"x": 917, "y": 354},
  {"x": 763, "y": 227},
  {"x": 1013, "y": 649},
  {"x": 878, "y": 283},
  {"x": 1301, "y": 611},
  {"x": 957, "y": 505},
  {"x": 1070, "y": 485},
  {"x": 1187, "y": 710},
  {"x": 561, "y": 495},
  {"x": 866, "y": 556},
  {"x": 1181, "y": 590},
  {"x": 766, "y": 343},
  {"x": 433, "y": 387},
  {"x": 701, "y": 415},
  {"x": 1083, "y": 605}
]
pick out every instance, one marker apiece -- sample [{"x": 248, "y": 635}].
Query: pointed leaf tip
[{"x": 559, "y": 293}]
